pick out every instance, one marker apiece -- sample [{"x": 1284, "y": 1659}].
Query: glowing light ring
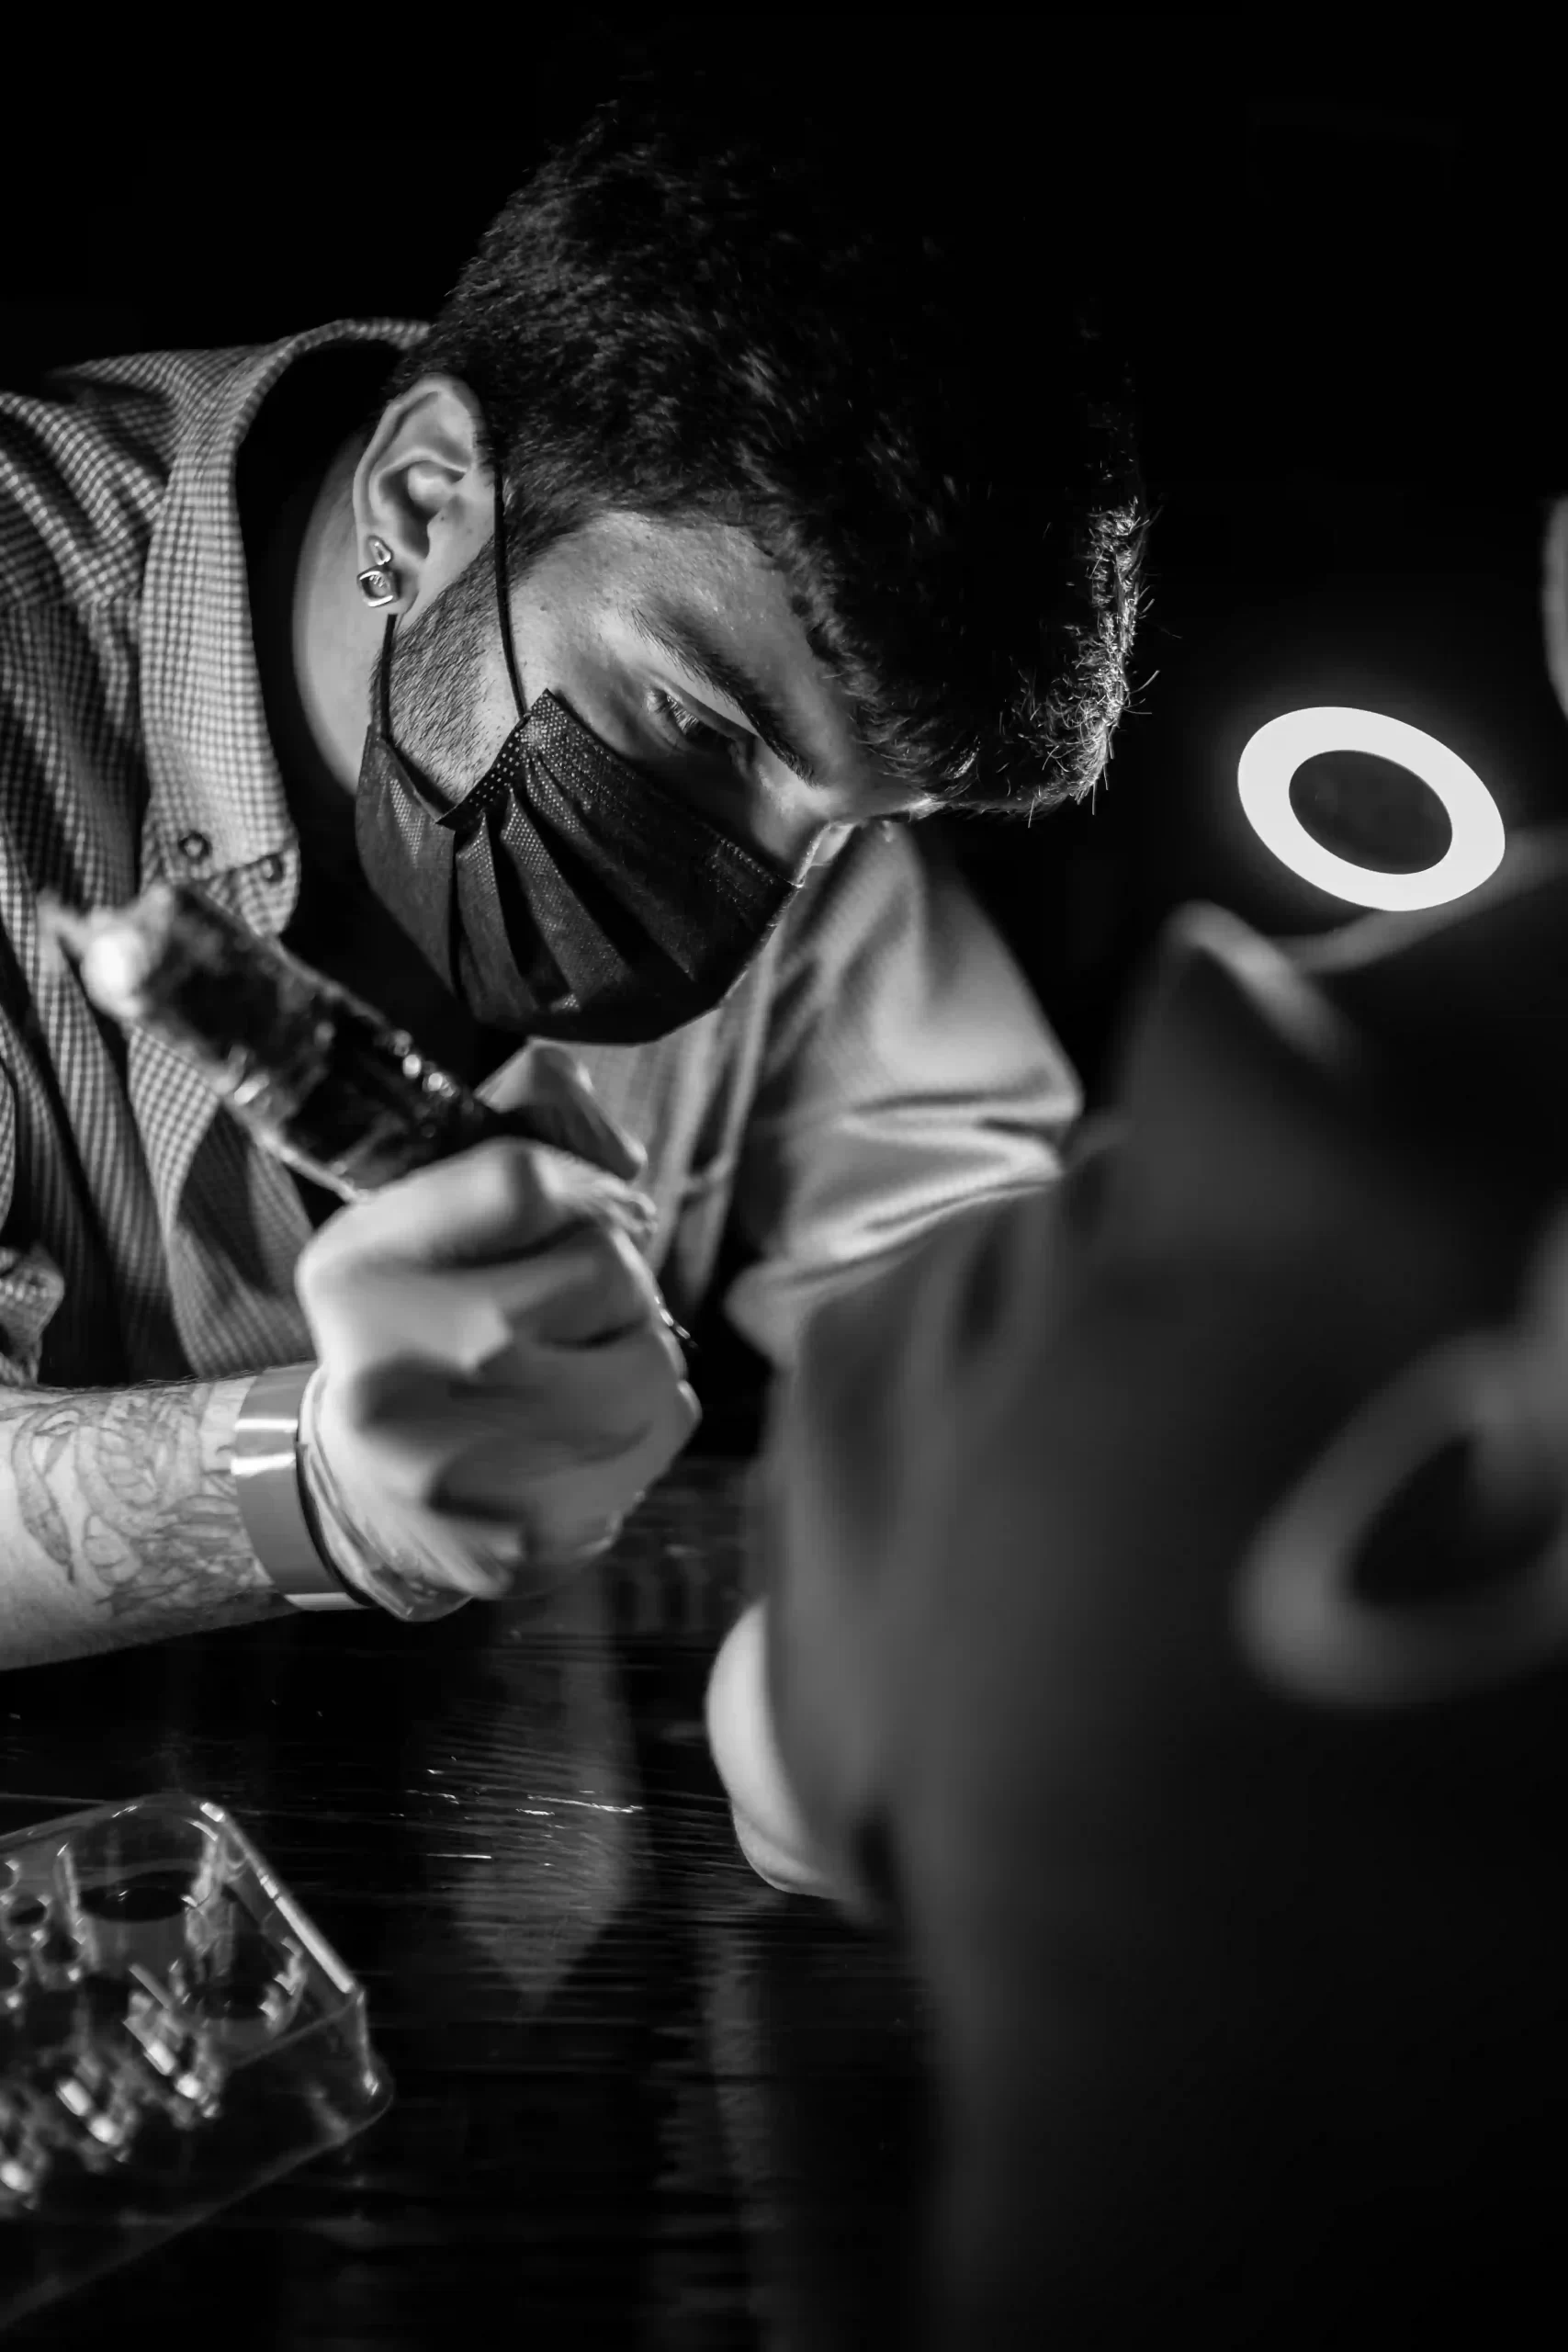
[
  {"x": 1278, "y": 749},
  {"x": 1295, "y": 1612}
]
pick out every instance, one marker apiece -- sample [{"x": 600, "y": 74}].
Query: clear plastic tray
[{"x": 173, "y": 2033}]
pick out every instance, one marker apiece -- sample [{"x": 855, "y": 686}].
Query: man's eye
[{"x": 681, "y": 724}]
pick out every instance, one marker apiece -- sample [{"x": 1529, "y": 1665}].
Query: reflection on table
[{"x": 640, "y": 2095}]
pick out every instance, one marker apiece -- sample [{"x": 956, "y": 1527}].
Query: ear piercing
[{"x": 378, "y": 582}]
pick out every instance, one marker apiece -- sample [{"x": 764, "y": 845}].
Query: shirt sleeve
[
  {"x": 907, "y": 1073},
  {"x": 861, "y": 1507},
  {"x": 31, "y": 1284}
]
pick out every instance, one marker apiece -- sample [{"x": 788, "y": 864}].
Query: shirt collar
[{"x": 217, "y": 813}]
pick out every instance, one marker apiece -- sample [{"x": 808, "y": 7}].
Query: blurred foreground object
[{"x": 1166, "y": 1634}]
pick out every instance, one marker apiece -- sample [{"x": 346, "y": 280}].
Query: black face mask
[{"x": 568, "y": 894}]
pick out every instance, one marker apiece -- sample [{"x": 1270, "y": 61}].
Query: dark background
[
  {"x": 1335, "y": 260},
  {"x": 1331, "y": 253}
]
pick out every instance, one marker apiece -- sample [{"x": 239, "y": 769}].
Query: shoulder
[
  {"x": 891, "y": 946},
  {"x": 83, "y": 466},
  {"x": 893, "y": 891},
  {"x": 87, "y": 461}
]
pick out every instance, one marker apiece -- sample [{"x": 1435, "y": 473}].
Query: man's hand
[{"x": 496, "y": 1379}]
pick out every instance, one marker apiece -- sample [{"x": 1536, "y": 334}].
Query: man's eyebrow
[{"x": 687, "y": 644}]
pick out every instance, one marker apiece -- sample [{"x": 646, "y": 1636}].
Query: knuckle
[
  {"x": 558, "y": 1067},
  {"x": 370, "y": 1410},
  {"x": 416, "y": 1486},
  {"x": 627, "y": 1262},
  {"x": 629, "y": 1307},
  {"x": 613, "y": 1258},
  {"x": 320, "y": 1270},
  {"x": 337, "y": 1253},
  {"x": 660, "y": 1367},
  {"x": 309, "y": 1276},
  {"x": 674, "y": 1414},
  {"x": 503, "y": 1174},
  {"x": 597, "y": 1259},
  {"x": 363, "y": 1404},
  {"x": 579, "y": 1265}
]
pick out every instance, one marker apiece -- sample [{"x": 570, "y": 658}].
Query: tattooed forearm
[{"x": 118, "y": 1519}]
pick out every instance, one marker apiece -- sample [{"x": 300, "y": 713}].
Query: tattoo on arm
[{"x": 128, "y": 1493}]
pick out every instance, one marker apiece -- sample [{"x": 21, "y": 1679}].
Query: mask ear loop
[
  {"x": 504, "y": 609},
  {"x": 415, "y": 783},
  {"x": 384, "y": 681},
  {"x": 503, "y": 601}
]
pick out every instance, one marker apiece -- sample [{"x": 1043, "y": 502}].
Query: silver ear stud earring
[{"x": 378, "y": 582}]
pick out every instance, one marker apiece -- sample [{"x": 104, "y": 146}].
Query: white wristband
[{"x": 266, "y": 1481}]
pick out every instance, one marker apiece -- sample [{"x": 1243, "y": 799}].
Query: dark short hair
[{"x": 903, "y": 398}]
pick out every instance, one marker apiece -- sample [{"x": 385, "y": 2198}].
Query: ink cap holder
[{"x": 175, "y": 2032}]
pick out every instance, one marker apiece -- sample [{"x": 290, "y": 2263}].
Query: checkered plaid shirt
[{"x": 880, "y": 1064}]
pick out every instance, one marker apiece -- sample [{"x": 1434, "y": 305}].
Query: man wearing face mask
[{"x": 561, "y": 679}]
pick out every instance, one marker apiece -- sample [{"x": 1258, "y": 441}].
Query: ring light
[{"x": 1278, "y": 749}]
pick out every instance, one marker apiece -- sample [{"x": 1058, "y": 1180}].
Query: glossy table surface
[{"x": 641, "y": 2097}]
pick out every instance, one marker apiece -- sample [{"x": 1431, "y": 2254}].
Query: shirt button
[
  {"x": 271, "y": 868},
  {"x": 195, "y": 847}
]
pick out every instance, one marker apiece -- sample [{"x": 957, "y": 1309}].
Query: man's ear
[{"x": 424, "y": 463}]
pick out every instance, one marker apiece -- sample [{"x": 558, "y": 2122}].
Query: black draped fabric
[{"x": 1246, "y": 1953}]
